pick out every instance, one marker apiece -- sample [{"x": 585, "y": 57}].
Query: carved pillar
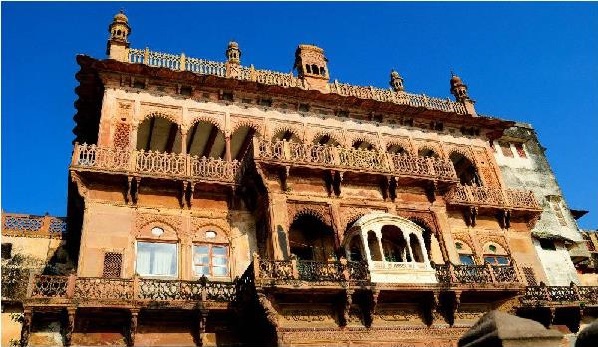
[
  {"x": 346, "y": 307},
  {"x": 133, "y": 136},
  {"x": 227, "y": 155},
  {"x": 26, "y": 328},
  {"x": 183, "y": 134},
  {"x": 201, "y": 326},
  {"x": 132, "y": 327},
  {"x": 70, "y": 325}
]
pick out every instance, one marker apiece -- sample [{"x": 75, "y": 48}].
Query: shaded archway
[
  {"x": 157, "y": 133},
  {"x": 287, "y": 135},
  {"x": 427, "y": 153},
  {"x": 395, "y": 149},
  {"x": 363, "y": 145},
  {"x": 205, "y": 139},
  {"x": 416, "y": 249},
  {"x": 325, "y": 139},
  {"x": 240, "y": 141},
  {"x": 356, "y": 251},
  {"x": 394, "y": 245},
  {"x": 465, "y": 169},
  {"x": 311, "y": 239}
]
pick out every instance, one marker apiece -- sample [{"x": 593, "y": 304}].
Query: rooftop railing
[
  {"x": 354, "y": 159},
  {"x": 493, "y": 197},
  {"x": 97, "y": 289},
  {"x": 33, "y": 226},
  {"x": 208, "y": 67},
  {"x": 153, "y": 164}
]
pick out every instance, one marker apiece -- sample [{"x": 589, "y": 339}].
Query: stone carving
[
  {"x": 211, "y": 117},
  {"x": 238, "y": 121},
  {"x": 320, "y": 211},
  {"x": 349, "y": 214},
  {"x": 122, "y": 135},
  {"x": 172, "y": 114},
  {"x": 143, "y": 220}
]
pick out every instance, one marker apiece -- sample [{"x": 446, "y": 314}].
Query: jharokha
[{"x": 215, "y": 204}]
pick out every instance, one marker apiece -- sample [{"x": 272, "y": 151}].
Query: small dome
[
  {"x": 394, "y": 74},
  {"x": 120, "y": 17},
  {"x": 233, "y": 44},
  {"x": 456, "y": 79}
]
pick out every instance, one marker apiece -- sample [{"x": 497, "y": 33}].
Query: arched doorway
[
  {"x": 205, "y": 139},
  {"x": 465, "y": 169},
  {"x": 157, "y": 133},
  {"x": 311, "y": 239}
]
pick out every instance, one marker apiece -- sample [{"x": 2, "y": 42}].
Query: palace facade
[{"x": 216, "y": 204}]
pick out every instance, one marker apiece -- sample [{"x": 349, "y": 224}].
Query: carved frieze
[
  {"x": 214, "y": 118},
  {"x": 172, "y": 225},
  {"x": 320, "y": 211},
  {"x": 349, "y": 214},
  {"x": 170, "y": 113},
  {"x": 238, "y": 121}
]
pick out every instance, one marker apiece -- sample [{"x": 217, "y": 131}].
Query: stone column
[
  {"x": 183, "y": 134},
  {"x": 227, "y": 155}
]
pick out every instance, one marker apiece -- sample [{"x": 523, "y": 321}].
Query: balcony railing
[
  {"x": 493, "y": 197},
  {"x": 543, "y": 295},
  {"x": 33, "y": 226},
  {"x": 137, "y": 289},
  {"x": 207, "y": 67},
  {"x": 342, "y": 158},
  {"x": 153, "y": 164},
  {"x": 287, "y": 271},
  {"x": 449, "y": 274}
]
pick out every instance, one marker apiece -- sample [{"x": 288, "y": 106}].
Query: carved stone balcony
[
  {"x": 309, "y": 273},
  {"x": 487, "y": 275},
  {"x": 136, "y": 292},
  {"x": 355, "y": 160},
  {"x": 23, "y": 225},
  {"x": 573, "y": 295},
  {"x": 153, "y": 164},
  {"x": 493, "y": 198}
]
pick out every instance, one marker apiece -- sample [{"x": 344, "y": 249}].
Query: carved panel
[
  {"x": 484, "y": 238},
  {"x": 404, "y": 142},
  {"x": 199, "y": 226},
  {"x": 214, "y": 118},
  {"x": 463, "y": 150},
  {"x": 122, "y": 135},
  {"x": 320, "y": 211},
  {"x": 170, "y": 113},
  {"x": 313, "y": 132},
  {"x": 307, "y": 315},
  {"x": 125, "y": 110},
  {"x": 485, "y": 168},
  {"x": 238, "y": 121},
  {"x": 349, "y": 214},
  {"x": 423, "y": 218},
  {"x": 172, "y": 225}
]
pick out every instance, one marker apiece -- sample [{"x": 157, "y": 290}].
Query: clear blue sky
[{"x": 531, "y": 62}]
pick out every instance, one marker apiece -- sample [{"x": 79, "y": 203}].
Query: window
[
  {"x": 530, "y": 277},
  {"x": 210, "y": 260},
  {"x": 547, "y": 245},
  {"x": 466, "y": 259},
  {"x": 520, "y": 151},
  {"x": 506, "y": 149},
  {"x": 156, "y": 259},
  {"x": 112, "y": 264},
  {"x": 497, "y": 260},
  {"x": 558, "y": 211},
  {"x": 6, "y": 250}
]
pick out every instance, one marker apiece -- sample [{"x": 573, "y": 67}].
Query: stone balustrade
[
  {"x": 207, "y": 67},
  {"x": 482, "y": 196},
  {"x": 153, "y": 164},
  {"x": 341, "y": 158},
  {"x": 449, "y": 274},
  {"x": 544, "y": 295},
  {"x": 98, "y": 289},
  {"x": 288, "y": 271},
  {"x": 23, "y": 225}
]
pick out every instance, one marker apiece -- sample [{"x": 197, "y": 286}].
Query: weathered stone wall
[{"x": 532, "y": 171}]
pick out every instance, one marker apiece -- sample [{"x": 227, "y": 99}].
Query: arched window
[
  {"x": 495, "y": 254},
  {"x": 355, "y": 249},
  {"x": 157, "y": 253},
  {"x": 394, "y": 245},
  {"x": 311, "y": 239},
  {"x": 427, "y": 153},
  {"x": 210, "y": 256},
  {"x": 465, "y": 253},
  {"x": 465, "y": 169},
  {"x": 374, "y": 246},
  {"x": 416, "y": 248},
  {"x": 307, "y": 68},
  {"x": 314, "y": 69},
  {"x": 395, "y": 149}
]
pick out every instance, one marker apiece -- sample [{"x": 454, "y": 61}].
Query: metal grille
[
  {"x": 530, "y": 277},
  {"x": 112, "y": 264}
]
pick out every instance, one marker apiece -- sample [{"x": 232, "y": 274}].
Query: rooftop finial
[{"x": 396, "y": 81}]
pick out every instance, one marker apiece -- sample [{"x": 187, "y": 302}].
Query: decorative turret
[
  {"x": 233, "y": 53},
  {"x": 118, "y": 44},
  {"x": 396, "y": 81},
  {"x": 459, "y": 90},
  {"x": 311, "y": 65}
]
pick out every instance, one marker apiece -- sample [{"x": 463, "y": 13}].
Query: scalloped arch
[
  {"x": 169, "y": 117},
  {"x": 365, "y": 138},
  {"x": 460, "y": 150},
  {"x": 285, "y": 127},
  {"x": 327, "y": 132},
  {"x": 207, "y": 119}
]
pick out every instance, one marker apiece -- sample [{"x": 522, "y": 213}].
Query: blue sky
[{"x": 531, "y": 62}]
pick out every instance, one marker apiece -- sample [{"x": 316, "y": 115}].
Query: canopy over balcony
[{"x": 392, "y": 246}]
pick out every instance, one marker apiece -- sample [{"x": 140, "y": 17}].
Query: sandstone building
[{"x": 211, "y": 203}]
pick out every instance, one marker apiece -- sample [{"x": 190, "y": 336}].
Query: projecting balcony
[
  {"x": 153, "y": 164},
  {"x": 478, "y": 276},
  {"x": 354, "y": 160},
  {"x": 136, "y": 292},
  {"x": 493, "y": 198},
  {"x": 547, "y": 296}
]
